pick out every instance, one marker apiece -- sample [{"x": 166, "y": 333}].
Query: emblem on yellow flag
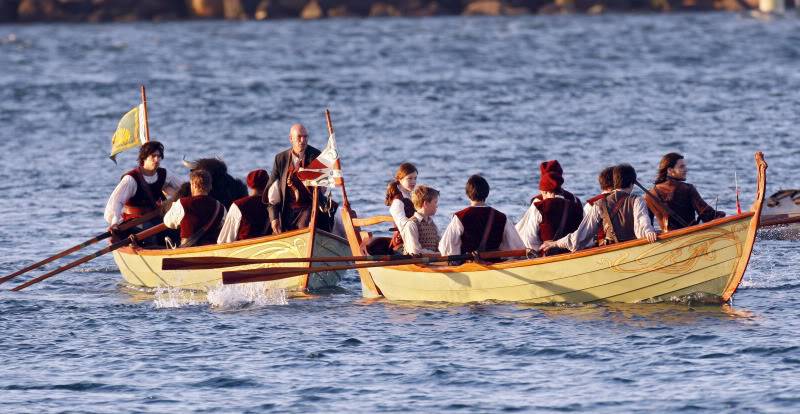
[{"x": 130, "y": 132}]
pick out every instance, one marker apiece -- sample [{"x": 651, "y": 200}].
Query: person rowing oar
[
  {"x": 141, "y": 191},
  {"x": 682, "y": 198}
]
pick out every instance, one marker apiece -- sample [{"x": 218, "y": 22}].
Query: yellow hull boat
[
  {"x": 706, "y": 261},
  {"x": 142, "y": 267}
]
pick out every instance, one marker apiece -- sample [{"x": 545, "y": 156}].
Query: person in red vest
[
  {"x": 622, "y": 215},
  {"x": 288, "y": 200},
  {"x": 141, "y": 190},
  {"x": 479, "y": 227},
  {"x": 198, "y": 216},
  {"x": 248, "y": 216},
  {"x": 683, "y": 198},
  {"x": 553, "y": 213}
]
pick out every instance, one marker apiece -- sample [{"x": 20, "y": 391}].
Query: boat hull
[
  {"x": 701, "y": 263},
  {"x": 142, "y": 267}
]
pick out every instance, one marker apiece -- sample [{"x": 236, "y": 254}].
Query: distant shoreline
[{"x": 32, "y": 11}]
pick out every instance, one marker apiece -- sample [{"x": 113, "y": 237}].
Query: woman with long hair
[
  {"x": 398, "y": 198},
  {"x": 681, "y": 197}
]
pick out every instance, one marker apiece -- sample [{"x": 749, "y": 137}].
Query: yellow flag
[{"x": 130, "y": 132}]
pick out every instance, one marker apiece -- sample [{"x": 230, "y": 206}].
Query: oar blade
[
  {"x": 261, "y": 275},
  {"x": 202, "y": 263}
]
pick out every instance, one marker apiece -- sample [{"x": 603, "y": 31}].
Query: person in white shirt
[
  {"x": 198, "y": 216},
  {"x": 419, "y": 232},
  {"x": 398, "y": 198},
  {"x": 141, "y": 191},
  {"x": 248, "y": 217},
  {"x": 479, "y": 227},
  {"x": 622, "y": 215}
]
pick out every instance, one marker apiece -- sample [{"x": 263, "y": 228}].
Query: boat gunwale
[
  {"x": 475, "y": 267},
  {"x": 139, "y": 251}
]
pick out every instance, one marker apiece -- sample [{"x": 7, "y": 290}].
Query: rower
[
  {"x": 199, "y": 216},
  {"x": 681, "y": 197},
  {"x": 606, "y": 181},
  {"x": 553, "y": 213},
  {"x": 288, "y": 200},
  {"x": 140, "y": 191},
  {"x": 622, "y": 215},
  {"x": 479, "y": 227},
  {"x": 420, "y": 234},
  {"x": 248, "y": 216}
]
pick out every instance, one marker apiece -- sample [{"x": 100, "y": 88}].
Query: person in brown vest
[
  {"x": 622, "y": 215},
  {"x": 248, "y": 216},
  {"x": 672, "y": 189},
  {"x": 288, "y": 200},
  {"x": 140, "y": 191},
  {"x": 553, "y": 213},
  {"x": 479, "y": 227},
  {"x": 419, "y": 232},
  {"x": 606, "y": 181},
  {"x": 198, "y": 216}
]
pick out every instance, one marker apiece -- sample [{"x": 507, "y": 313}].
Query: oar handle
[
  {"x": 662, "y": 205},
  {"x": 114, "y": 246}
]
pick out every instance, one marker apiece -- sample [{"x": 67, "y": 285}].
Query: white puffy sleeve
[{"x": 121, "y": 194}]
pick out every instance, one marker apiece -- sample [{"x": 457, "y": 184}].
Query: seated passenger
[
  {"x": 622, "y": 215},
  {"x": 479, "y": 227},
  {"x": 606, "y": 181},
  {"x": 248, "y": 217},
  {"x": 419, "y": 233},
  {"x": 398, "y": 198},
  {"x": 553, "y": 213},
  {"x": 681, "y": 197},
  {"x": 199, "y": 216}
]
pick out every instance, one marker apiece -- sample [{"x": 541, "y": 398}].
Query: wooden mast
[
  {"x": 368, "y": 287},
  {"x": 144, "y": 110}
]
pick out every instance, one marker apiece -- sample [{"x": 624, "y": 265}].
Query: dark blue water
[{"x": 454, "y": 95}]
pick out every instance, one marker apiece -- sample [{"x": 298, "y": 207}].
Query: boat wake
[
  {"x": 223, "y": 297},
  {"x": 245, "y": 295}
]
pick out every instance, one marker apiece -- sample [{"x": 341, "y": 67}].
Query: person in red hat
[
  {"x": 553, "y": 213},
  {"x": 248, "y": 216},
  {"x": 622, "y": 215}
]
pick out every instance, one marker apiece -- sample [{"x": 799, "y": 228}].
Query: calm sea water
[{"x": 454, "y": 95}]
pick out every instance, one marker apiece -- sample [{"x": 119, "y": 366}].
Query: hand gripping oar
[
  {"x": 276, "y": 273},
  {"x": 662, "y": 205},
  {"x": 123, "y": 226},
  {"x": 213, "y": 262},
  {"x": 136, "y": 237}
]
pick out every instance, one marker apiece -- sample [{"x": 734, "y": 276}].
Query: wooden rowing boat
[
  {"x": 705, "y": 262},
  {"x": 142, "y": 267}
]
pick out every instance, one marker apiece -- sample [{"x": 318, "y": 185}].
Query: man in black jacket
[{"x": 288, "y": 200}]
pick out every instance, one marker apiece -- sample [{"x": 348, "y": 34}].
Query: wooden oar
[
  {"x": 114, "y": 246},
  {"x": 276, "y": 273},
  {"x": 214, "y": 262},
  {"x": 123, "y": 226},
  {"x": 662, "y": 205}
]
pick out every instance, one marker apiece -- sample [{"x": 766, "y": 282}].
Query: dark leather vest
[
  {"x": 147, "y": 196},
  {"x": 198, "y": 212},
  {"x": 254, "y": 217},
  {"x": 475, "y": 220}
]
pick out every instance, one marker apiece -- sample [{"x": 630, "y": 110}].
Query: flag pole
[{"x": 144, "y": 109}]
